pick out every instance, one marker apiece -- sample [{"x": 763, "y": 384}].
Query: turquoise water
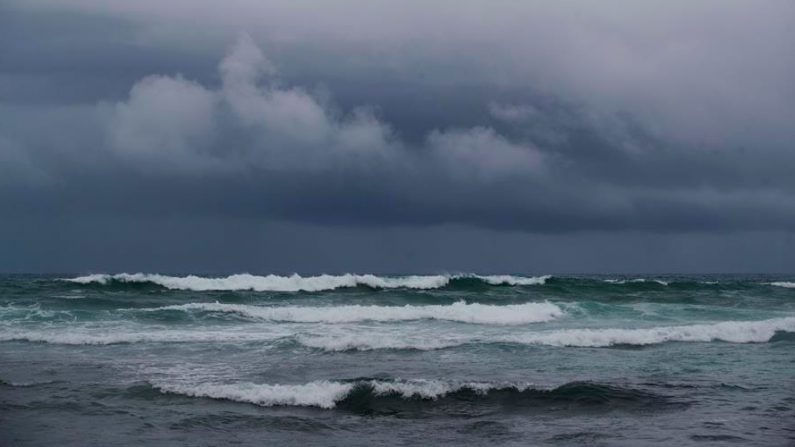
[{"x": 363, "y": 360}]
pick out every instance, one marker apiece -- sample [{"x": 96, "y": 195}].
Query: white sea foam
[
  {"x": 326, "y": 394},
  {"x": 636, "y": 280},
  {"x": 273, "y": 283},
  {"x": 460, "y": 311},
  {"x": 323, "y": 394},
  {"x": 370, "y": 342},
  {"x": 787, "y": 284},
  {"x": 726, "y": 331},
  {"x": 110, "y": 336},
  {"x": 356, "y": 339},
  {"x": 297, "y": 283},
  {"x": 512, "y": 280},
  {"x": 27, "y": 384}
]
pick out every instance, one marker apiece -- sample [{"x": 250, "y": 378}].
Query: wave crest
[
  {"x": 512, "y": 314},
  {"x": 636, "y": 281},
  {"x": 102, "y": 337},
  {"x": 369, "y": 395},
  {"x": 297, "y": 283},
  {"x": 726, "y": 331}
]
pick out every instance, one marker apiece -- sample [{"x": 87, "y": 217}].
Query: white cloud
[
  {"x": 165, "y": 118},
  {"x": 714, "y": 73},
  {"x": 178, "y": 122}
]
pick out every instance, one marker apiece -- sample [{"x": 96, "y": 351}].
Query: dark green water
[{"x": 424, "y": 360}]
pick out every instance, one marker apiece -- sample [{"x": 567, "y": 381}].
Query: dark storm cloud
[{"x": 536, "y": 117}]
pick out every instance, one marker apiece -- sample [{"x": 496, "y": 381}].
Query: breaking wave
[
  {"x": 727, "y": 331},
  {"x": 110, "y": 337},
  {"x": 297, "y": 283},
  {"x": 637, "y": 281},
  {"x": 463, "y": 281},
  {"x": 461, "y": 312},
  {"x": 371, "y": 396}
]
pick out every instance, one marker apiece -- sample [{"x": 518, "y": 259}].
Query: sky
[{"x": 397, "y": 137}]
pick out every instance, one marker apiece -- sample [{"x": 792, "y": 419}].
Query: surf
[
  {"x": 511, "y": 314},
  {"x": 370, "y": 396},
  {"x": 298, "y": 283}
]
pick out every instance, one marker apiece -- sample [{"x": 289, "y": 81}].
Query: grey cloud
[
  {"x": 255, "y": 146},
  {"x": 706, "y": 73},
  {"x": 610, "y": 118}
]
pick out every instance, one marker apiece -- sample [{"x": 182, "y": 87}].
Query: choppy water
[{"x": 128, "y": 359}]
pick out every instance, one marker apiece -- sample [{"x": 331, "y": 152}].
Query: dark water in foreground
[{"x": 365, "y": 360}]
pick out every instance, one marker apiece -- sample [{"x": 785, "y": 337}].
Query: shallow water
[{"x": 366, "y": 360}]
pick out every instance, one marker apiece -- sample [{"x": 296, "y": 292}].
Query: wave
[
  {"x": 26, "y": 384},
  {"x": 512, "y": 314},
  {"x": 297, "y": 283},
  {"x": 511, "y": 280},
  {"x": 787, "y": 284},
  {"x": 323, "y": 394},
  {"x": 271, "y": 283},
  {"x": 726, "y": 331},
  {"x": 370, "y": 395},
  {"x": 371, "y": 342},
  {"x": 643, "y": 280},
  {"x": 462, "y": 281},
  {"x": 112, "y": 337}
]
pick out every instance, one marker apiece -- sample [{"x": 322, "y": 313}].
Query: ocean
[{"x": 365, "y": 360}]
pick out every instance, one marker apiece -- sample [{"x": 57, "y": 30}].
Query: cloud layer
[{"x": 665, "y": 117}]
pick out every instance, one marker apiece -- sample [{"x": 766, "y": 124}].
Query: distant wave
[
  {"x": 26, "y": 384},
  {"x": 726, "y": 331},
  {"x": 460, "y": 312},
  {"x": 510, "y": 280},
  {"x": 462, "y": 281},
  {"x": 370, "y": 342},
  {"x": 368, "y": 395},
  {"x": 639, "y": 280},
  {"x": 297, "y": 283}
]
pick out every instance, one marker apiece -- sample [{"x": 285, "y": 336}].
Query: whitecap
[
  {"x": 636, "y": 280},
  {"x": 297, "y": 283},
  {"x": 326, "y": 394},
  {"x": 726, "y": 331},
  {"x": 144, "y": 335},
  {"x": 512, "y": 314}
]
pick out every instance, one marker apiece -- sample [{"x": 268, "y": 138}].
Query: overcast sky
[{"x": 383, "y": 136}]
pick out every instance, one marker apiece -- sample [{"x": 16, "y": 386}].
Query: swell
[
  {"x": 368, "y": 396},
  {"x": 512, "y": 314}
]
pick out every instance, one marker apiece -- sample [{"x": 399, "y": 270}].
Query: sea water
[{"x": 450, "y": 359}]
